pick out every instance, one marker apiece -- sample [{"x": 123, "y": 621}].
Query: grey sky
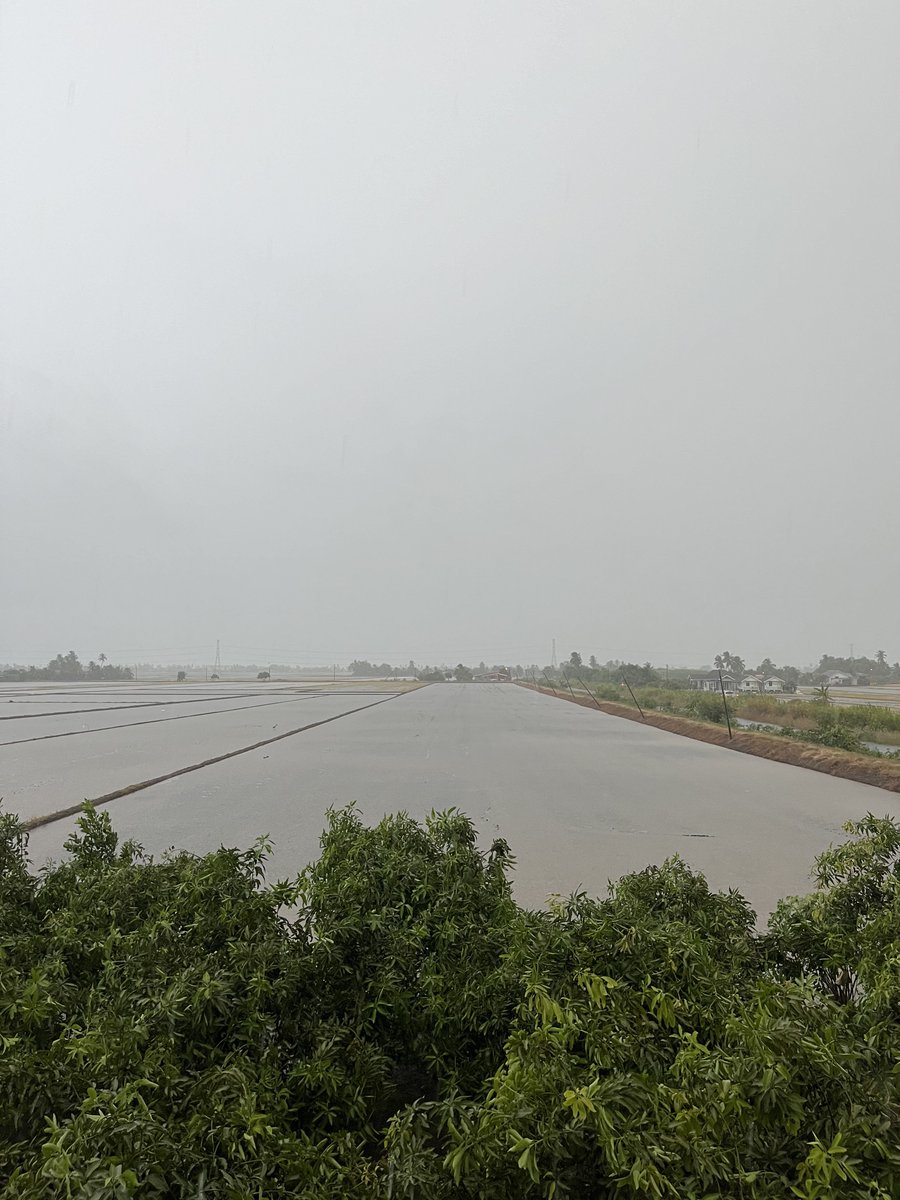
[{"x": 441, "y": 329}]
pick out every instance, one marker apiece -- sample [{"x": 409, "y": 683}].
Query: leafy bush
[
  {"x": 836, "y": 734},
  {"x": 391, "y": 1024},
  {"x": 706, "y": 706}
]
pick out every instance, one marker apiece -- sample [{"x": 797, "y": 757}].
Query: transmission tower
[
  {"x": 218, "y": 667},
  {"x": 553, "y": 662}
]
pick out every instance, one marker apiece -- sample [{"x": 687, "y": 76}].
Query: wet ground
[{"x": 582, "y": 797}]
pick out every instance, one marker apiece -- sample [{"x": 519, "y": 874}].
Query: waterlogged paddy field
[{"x": 582, "y": 797}]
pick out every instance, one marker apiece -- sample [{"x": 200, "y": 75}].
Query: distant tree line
[
  {"x": 363, "y": 668},
  {"x": 68, "y": 667},
  {"x": 866, "y": 670},
  {"x": 876, "y": 670}
]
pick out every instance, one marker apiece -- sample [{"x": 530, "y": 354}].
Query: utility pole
[
  {"x": 725, "y": 705},
  {"x": 553, "y": 662},
  {"x": 218, "y": 667}
]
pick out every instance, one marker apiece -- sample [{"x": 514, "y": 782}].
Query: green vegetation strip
[
  {"x": 862, "y": 768},
  {"x": 410, "y": 1033},
  {"x": 72, "y": 809}
]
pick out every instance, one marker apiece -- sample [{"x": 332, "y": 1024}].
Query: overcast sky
[{"x": 439, "y": 330}]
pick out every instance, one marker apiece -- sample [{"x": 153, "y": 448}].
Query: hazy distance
[{"x": 436, "y": 331}]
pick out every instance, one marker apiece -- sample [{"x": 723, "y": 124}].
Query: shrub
[
  {"x": 410, "y": 1032},
  {"x": 706, "y": 706},
  {"x": 836, "y": 734}
]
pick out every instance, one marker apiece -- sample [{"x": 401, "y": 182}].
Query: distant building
[
  {"x": 751, "y": 683},
  {"x": 838, "y": 679},
  {"x": 710, "y": 682},
  {"x": 774, "y": 683}
]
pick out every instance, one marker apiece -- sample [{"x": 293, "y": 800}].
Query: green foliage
[
  {"x": 703, "y": 706},
  {"x": 847, "y": 934},
  {"x": 639, "y": 674},
  {"x": 391, "y": 1024},
  {"x": 726, "y": 661},
  {"x": 870, "y": 717},
  {"x": 409, "y": 925},
  {"x": 846, "y": 727},
  {"x": 833, "y": 732}
]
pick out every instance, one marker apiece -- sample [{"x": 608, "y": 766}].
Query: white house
[
  {"x": 751, "y": 683},
  {"x": 774, "y": 683},
  {"x": 710, "y": 682},
  {"x": 838, "y": 679}
]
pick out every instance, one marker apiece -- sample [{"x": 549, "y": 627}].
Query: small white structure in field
[{"x": 839, "y": 679}]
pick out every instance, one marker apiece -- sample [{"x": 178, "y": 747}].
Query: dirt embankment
[{"x": 859, "y": 767}]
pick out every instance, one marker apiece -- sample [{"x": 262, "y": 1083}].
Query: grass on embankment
[
  {"x": 844, "y": 764},
  {"x": 871, "y": 722}
]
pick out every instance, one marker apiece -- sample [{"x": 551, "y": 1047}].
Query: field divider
[
  {"x": 77, "y": 712},
  {"x": 72, "y": 809},
  {"x": 217, "y": 712}
]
